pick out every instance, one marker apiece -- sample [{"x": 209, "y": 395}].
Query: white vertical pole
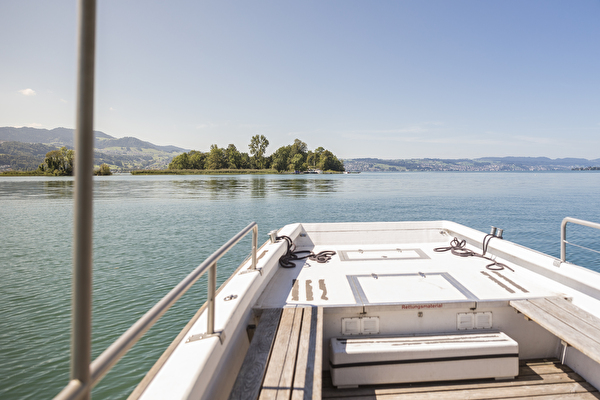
[
  {"x": 212, "y": 288},
  {"x": 83, "y": 196}
]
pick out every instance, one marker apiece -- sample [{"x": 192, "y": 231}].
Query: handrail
[
  {"x": 100, "y": 366},
  {"x": 563, "y": 234}
]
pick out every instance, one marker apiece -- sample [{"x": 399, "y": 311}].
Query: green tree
[
  {"x": 104, "y": 169},
  {"x": 298, "y": 156},
  {"x": 280, "y": 158},
  {"x": 59, "y": 162},
  {"x": 297, "y": 162},
  {"x": 192, "y": 160},
  {"x": 329, "y": 162},
  {"x": 196, "y": 159},
  {"x": 299, "y": 147},
  {"x": 311, "y": 159},
  {"x": 216, "y": 158},
  {"x": 233, "y": 156},
  {"x": 258, "y": 146},
  {"x": 180, "y": 162},
  {"x": 245, "y": 162}
]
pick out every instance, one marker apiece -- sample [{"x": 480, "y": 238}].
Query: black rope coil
[
  {"x": 286, "y": 260},
  {"x": 457, "y": 247}
]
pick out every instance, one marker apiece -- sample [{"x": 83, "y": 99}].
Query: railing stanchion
[
  {"x": 254, "y": 245},
  {"x": 212, "y": 288},
  {"x": 563, "y": 240}
]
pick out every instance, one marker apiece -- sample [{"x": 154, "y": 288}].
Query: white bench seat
[{"x": 382, "y": 360}]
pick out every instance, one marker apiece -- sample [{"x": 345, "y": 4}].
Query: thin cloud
[
  {"x": 32, "y": 125},
  {"x": 535, "y": 139},
  {"x": 252, "y": 126},
  {"x": 28, "y": 92},
  {"x": 210, "y": 125}
]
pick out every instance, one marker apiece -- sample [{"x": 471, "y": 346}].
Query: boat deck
[
  {"x": 370, "y": 275},
  {"x": 539, "y": 379}
]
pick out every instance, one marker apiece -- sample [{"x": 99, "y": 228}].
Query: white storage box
[{"x": 379, "y": 360}]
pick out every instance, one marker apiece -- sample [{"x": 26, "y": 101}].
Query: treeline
[
  {"x": 61, "y": 162},
  {"x": 294, "y": 157}
]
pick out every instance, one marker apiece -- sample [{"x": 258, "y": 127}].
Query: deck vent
[
  {"x": 483, "y": 320},
  {"x": 360, "y": 326},
  {"x": 464, "y": 321},
  {"x": 477, "y": 320}
]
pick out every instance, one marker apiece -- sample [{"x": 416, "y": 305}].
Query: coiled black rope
[
  {"x": 291, "y": 255},
  {"x": 457, "y": 247}
]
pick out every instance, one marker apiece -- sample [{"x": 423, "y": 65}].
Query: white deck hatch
[{"x": 406, "y": 288}]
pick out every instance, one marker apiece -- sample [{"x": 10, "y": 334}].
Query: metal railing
[
  {"x": 76, "y": 389},
  {"x": 563, "y": 235}
]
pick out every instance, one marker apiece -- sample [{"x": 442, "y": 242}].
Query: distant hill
[
  {"x": 540, "y": 161},
  {"x": 478, "y": 164},
  {"x": 22, "y": 156},
  {"x": 57, "y": 137},
  {"x": 25, "y": 148}
]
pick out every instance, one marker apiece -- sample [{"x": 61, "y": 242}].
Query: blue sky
[{"x": 387, "y": 79}]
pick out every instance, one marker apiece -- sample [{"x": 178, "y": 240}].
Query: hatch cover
[
  {"x": 407, "y": 288},
  {"x": 382, "y": 254}
]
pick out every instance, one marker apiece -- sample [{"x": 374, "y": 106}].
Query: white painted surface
[
  {"x": 412, "y": 291},
  {"x": 367, "y": 361}
]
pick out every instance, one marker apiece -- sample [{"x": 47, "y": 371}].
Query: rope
[
  {"x": 291, "y": 255},
  {"x": 458, "y": 249}
]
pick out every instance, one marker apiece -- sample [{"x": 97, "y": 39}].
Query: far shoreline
[{"x": 178, "y": 172}]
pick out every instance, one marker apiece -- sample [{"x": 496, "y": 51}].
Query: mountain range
[
  {"x": 477, "y": 164},
  {"x": 25, "y": 149}
]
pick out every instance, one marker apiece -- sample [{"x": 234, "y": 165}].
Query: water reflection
[
  {"x": 258, "y": 188},
  {"x": 220, "y": 188},
  {"x": 59, "y": 189},
  {"x": 20, "y": 188}
]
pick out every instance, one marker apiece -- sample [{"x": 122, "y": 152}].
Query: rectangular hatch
[{"x": 382, "y": 254}]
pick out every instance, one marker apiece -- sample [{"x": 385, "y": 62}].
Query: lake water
[{"x": 151, "y": 231}]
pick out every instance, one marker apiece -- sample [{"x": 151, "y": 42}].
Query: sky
[{"x": 386, "y": 79}]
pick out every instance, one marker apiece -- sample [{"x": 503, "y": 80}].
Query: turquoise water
[{"x": 150, "y": 232}]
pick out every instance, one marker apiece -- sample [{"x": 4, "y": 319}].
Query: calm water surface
[{"x": 150, "y": 232}]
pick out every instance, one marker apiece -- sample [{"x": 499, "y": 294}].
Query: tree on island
[
  {"x": 294, "y": 157},
  {"x": 104, "y": 169},
  {"x": 258, "y": 146},
  {"x": 58, "y": 162}
]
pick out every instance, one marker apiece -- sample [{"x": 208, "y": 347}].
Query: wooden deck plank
[
  {"x": 318, "y": 372},
  {"x": 307, "y": 379},
  {"x": 304, "y": 372},
  {"x": 576, "y": 311},
  {"x": 561, "y": 325},
  {"x": 585, "y": 323},
  {"x": 250, "y": 377},
  {"x": 526, "y": 391},
  {"x": 280, "y": 371},
  {"x": 564, "y": 396},
  {"x": 443, "y": 387},
  {"x": 537, "y": 368},
  {"x": 541, "y": 369},
  {"x": 548, "y": 379}
]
